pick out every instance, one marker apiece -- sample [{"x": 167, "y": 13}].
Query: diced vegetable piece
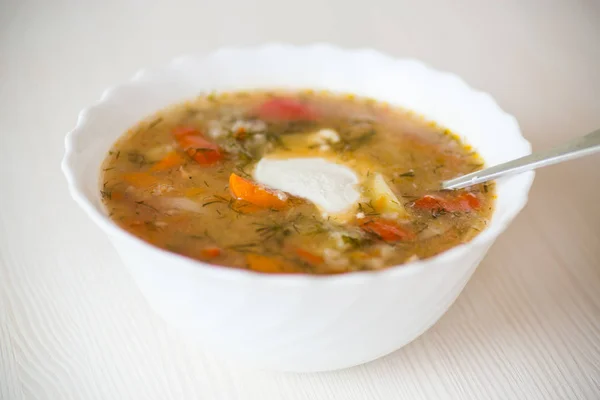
[
  {"x": 464, "y": 202},
  {"x": 182, "y": 131},
  {"x": 171, "y": 160},
  {"x": 201, "y": 150},
  {"x": 468, "y": 202},
  {"x": 181, "y": 204},
  {"x": 429, "y": 202},
  {"x": 260, "y": 263},
  {"x": 243, "y": 189},
  {"x": 308, "y": 257},
  {"x": 210, "y": 252},
  {"x": 321, "y": 139},
  {"x": 196, "y": 146},
  {"x": 157, "y": 153},
  {"x": 140, "y": 180},
  {"x": 384, "y": 199},
  {"x": 386, "y": 229},
  {"x": 285, "y": 109}
]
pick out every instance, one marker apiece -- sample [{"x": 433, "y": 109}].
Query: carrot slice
[
  {"x": 171, "y": 160},
  {"x": 386, "y": 229},
  {"x": 467, "y": 202},
  {"x": 210, "y": 252},
  {"x": 200, "y": 150},
  {"x": 140, "y": 179},
  {"x": 196, "y": 146},
  {"x": 429, "y": 202},
  {"x": 285, "y": 109},
  {"x": 260, "y": 263},
  {"x": 182, "y": 131},
  {"x": 464, "y": 202},
  {"x": 243, "y": 189},
  {"x": 308, "y": 257}
]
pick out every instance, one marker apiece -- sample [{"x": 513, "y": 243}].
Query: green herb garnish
[
  {"x": 407, "y": 174},
  {"x": 155, "y": 122}
]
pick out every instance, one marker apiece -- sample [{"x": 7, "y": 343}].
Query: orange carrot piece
[
  {"x": 243, "y": 189},
  {"x": 260, "y": 263},
  {"x": 196, "y": 146},
  {"x": 464, "y": 202},
  {"x": 200, "y": 150},
  {"x": 386, "y": 229},
  {"x": 429, "y": 202},
  {"x": 171, "y": 160},
  {"x": 140, "y": 179},
  {"x": 210, "y": 252},
  {"x": 285, "y": 109},
  {"x": 182, "y": 131},
  {"x": 308, "y": 257},
  {"x": 467, "y": 202}
]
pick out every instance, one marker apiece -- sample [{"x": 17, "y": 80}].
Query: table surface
[{"x": 74, "y": 326}]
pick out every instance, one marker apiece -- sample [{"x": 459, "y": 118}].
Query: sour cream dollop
[{"x": 330, "y": 186}]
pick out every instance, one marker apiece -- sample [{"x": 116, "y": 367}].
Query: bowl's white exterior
[{"x": 299, "y": 323}]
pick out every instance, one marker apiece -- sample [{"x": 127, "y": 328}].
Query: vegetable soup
[{"x": 294, "y": 182}]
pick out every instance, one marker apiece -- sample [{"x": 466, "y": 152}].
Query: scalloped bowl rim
[{"x": 495, "y": 228}]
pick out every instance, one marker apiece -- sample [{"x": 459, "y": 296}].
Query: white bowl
[{"x": 297, "y": 322}]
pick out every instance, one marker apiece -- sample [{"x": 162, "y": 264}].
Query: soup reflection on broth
[{"x": 294, "y": 182}]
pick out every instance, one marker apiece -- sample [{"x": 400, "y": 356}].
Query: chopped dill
[
  {"x": 136, "y": 157},
  {"x": 245, "y": 161},
  {"x": 353, "y": 143},
  {"x": 243, "y": 247},
  {"x": 276, "y": 141},
  {"x": 367, "y": 208},
  {"x": 353, "y": 242},
  {"x": 208, "y": 203},
  {"x": 407, "y": 174},
  {"x": 215, "y": 199},
  {"x": 203, "y": 149},
  {"x": 437, "y": 168},
  {"x": 155, "y": 122},
  {"x": 278, "y": 230},
  {"x": 143, "y": 203}
]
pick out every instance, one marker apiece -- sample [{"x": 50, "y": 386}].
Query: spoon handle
[{"x": 572, "y": 149}]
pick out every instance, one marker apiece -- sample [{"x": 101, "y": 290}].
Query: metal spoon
[{"x": 570, "y": 150}]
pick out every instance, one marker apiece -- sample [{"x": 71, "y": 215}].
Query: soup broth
[{"x": 187, "y": 180}]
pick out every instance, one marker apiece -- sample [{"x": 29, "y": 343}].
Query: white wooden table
[{"x": 74, "y": 326}]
